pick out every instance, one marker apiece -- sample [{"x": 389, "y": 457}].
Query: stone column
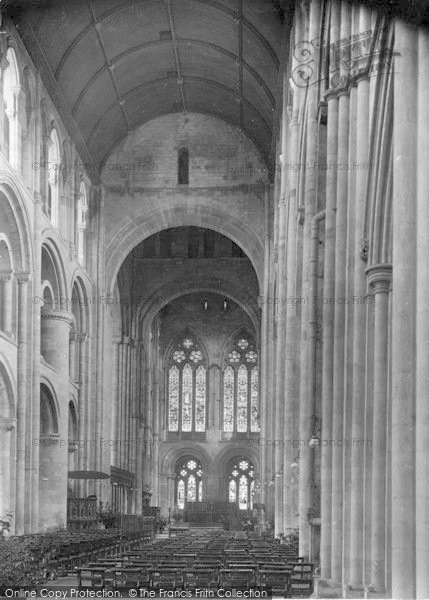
[
  {"x": 34, "y": 417},
  {"x": 307, "y": 374},
  {"x": 83, "y": 424},
  {"x": 422, "y": 326},
  {"x": 72, "y": 356},
  {"x": 265, "y": 343},
  {"x": 379, "y": 278},
  {"x": 6, "y": 301},
  {"x": 359, "y": 327},
  {"x": 331, "y": 482},
  {"x": 53, "y": 454},
  {"x": 7, "y": 427},
  {"x": 22, "y": 400},
  {"x": 403, "y": 311},
  {"x": 55, "y": 339}
]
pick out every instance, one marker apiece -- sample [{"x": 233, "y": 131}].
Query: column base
[
  {"x": 373, "y": 592},
  {"x": 325, "y": 588},
  {"x": 353, "y": 591}
]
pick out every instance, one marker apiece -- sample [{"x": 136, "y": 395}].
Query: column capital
[
  {"x": 58, "y": 315},
  {"x": 82, "y": 337},
  {"x": 23, "y": 277},
  {"x": 379, "y": 277},
  {"x": 6, "y": 275}
]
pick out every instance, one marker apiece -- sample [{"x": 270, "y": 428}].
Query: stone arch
[
  {"x": 53, "y": 270},
  {"x": 82, "y": 308},
  {"x": 200, "y": 213},
  {"x": 15, "y": 224},
  {"x": 11, "y": 98},
  {"x": 168, "y": 471},
  {"x": 173, "y": 455},
  {"x": 49, "y": 412},
  {"x": 247, "y": 451},
  {"x": 52, "y": 460},
  {"x": 166, "y": 294}
]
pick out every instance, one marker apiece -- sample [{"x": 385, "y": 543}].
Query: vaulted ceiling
[{"x": 112, "y": 65}]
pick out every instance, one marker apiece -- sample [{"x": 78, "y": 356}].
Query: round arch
[
  {"x": 15, "y": 223},
  {"x": 80, "y": 287},
  {"x": 148, "y": 309},
  {"x": 9, "y": 388},
  {"x": 57, "y": 271},
  {"x": 175, "y": 454},
  {"x": 200, "y": 213},
  {"x": 50, "y": 408},
  {"x": 248, "y": 452}
]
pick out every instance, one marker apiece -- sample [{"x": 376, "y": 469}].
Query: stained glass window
[
  {"x": 241, "y": 388},
  {"x": 187, "y": 388},
  {"x": 251, "y": 356},
  {"x": 196, "y": 356},
  {"x": 242, "y": 343},
  {"x": 181, "y": 494},
  {"x": 228, "y": 399},
  {"x": 192, "y": 489},
  {"x": 254, "y": 401},
  {"x": 242, "y": 399},
  {"x": 241, "y": 484},
  {"x": 179, "y": 356},
  {"x": 173, "y": 397},
  {"x": 189, "y": 487},
  {"x": 200, "y": 399},
  {"x": 234, "y": 356},
  {"x": 187, "y": 398},
  {"x": 232, "y": 490},
  {"x": 242, "y": 493}
]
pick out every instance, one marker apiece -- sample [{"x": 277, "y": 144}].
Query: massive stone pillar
[
  {"x": 379, "y": 277},
  {"x": 53, "y": 456},
  {"x": 422, "y": 326},
  {"x": 403, "y": 311}
]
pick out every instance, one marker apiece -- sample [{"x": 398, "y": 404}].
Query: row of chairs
[{"x": 205, "y": 560}]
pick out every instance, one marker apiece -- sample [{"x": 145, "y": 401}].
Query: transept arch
[{"x": 173, "y": 214}]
